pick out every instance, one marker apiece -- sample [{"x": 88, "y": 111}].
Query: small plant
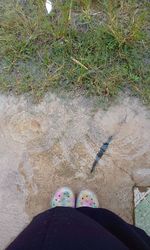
[{"x": 125, "y": 21}]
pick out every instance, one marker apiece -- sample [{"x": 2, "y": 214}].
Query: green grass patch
[{"x": 100, "y": 47}]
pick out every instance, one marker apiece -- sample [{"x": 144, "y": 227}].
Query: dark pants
[{"x": 78, "y": 229}]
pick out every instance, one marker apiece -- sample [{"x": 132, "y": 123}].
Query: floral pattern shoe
[
  {"x": 64, "y": 197},
  {"x": 87, "y": 198}
]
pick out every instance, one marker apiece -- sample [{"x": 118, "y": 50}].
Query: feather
[
  {"x": 101, "y": 152},
  {"x": 48, "y": 6}
]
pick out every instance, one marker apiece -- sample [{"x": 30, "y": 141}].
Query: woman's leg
[
  {"x": 130, "y": 235},
  {"x": 65, "y": 228}
]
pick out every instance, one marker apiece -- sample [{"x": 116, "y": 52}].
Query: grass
[{"x": 100, "y": 47}]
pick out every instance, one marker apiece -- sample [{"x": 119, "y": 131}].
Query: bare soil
[{"x": 54, "y": 143}]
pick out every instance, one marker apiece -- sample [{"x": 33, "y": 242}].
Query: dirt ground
[{"x": 54, "y": 143}]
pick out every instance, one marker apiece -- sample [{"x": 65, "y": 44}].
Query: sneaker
[
  {"x": 64, "y": 197},
  {"x": 87, "y": 198}
]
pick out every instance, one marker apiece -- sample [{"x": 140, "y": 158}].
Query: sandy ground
[{"x": 54, "y": 143}]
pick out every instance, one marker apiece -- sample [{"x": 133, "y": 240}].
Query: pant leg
[
  {"x": 65, "y": 229},
  {"x": 131, "y": 236}
]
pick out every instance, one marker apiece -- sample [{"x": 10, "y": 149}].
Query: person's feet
[
  {"x": 87, "y": 198},
  {"x": 64, "y": 197}
]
